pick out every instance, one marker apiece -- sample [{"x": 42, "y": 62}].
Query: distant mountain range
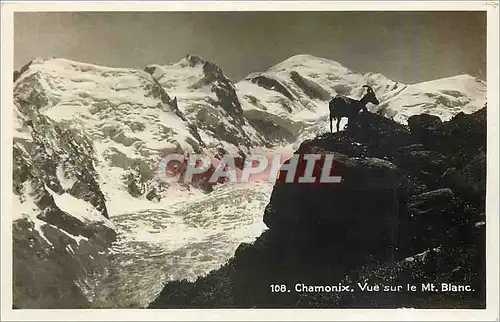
[{"x": 88, "y": 140}]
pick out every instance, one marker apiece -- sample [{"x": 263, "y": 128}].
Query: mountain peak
[
  {"x": 305, "y": 60},
  {"x": 192, "y": 60},
  {"x": 457, "y": 78}
]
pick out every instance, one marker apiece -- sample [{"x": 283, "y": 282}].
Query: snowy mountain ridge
[
  {"x": 88, "y": 140},
  {"x": 305, "y": 83},
  {"x": 293, "y": 96}
]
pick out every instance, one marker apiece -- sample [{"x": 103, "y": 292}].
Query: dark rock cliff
[{"x": 409, "y": 210}]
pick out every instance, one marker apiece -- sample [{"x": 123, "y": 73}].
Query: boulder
[
  {"x": 422, "y": 126},
  {"x": 357, "y": 215}
]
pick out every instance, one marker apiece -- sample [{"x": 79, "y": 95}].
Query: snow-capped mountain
[
  {"x": 293, "y": 95},
  {"x": 444, "y": 98},
  {"x": 135, "y": 117},
  {"x": 88, "y": 140},
  {"x": 87, "y": 143}
]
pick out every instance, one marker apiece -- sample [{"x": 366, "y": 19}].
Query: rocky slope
[{"x": 410, "y": 210}]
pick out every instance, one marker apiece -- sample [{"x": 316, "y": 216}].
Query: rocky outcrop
[
  {"x": 224, "y": 90},
  {"x": 462, "y": 144},
  {"x": 18, "y": 73},
  {"x": 133, "y": 118},
  {"x": 395, "y": 219},
  {"x": 310, "y": 88},
  {"x": 272, "y": 84},
  {"x": 220, "y": 85}
]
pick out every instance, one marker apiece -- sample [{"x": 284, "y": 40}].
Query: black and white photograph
[{"x": 250, "y": 159}]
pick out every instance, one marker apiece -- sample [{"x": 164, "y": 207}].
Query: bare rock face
[
  {"x": 223, "y": 89},
  {"x": 18, "y": 73}
]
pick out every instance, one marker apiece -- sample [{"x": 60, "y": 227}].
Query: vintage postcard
[{"x": 250, "y": 161}]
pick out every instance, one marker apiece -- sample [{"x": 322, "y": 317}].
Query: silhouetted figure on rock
[{"x": 343, "y": 106}]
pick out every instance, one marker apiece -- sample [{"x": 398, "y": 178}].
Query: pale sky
[{"x": 408, "y": 47}]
